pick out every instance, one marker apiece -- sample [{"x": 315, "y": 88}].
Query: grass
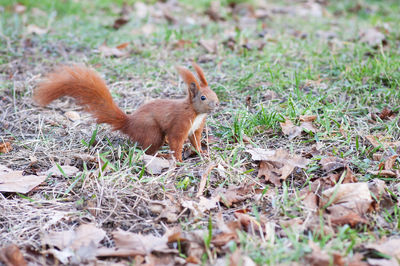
[{"x": 341, "y": 80}]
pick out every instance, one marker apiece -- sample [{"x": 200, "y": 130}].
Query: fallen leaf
[
  {"x": 389, "y": 247},
  {"x": 74, "y": 246},
  {"x": 350, "y": 218},
  {"x": 211, "y": 46},
  {"x": 381, "y": 197},
  {"x": 181, "y": 44},
  {"x": 386, "y": 114},
  {"x": 122, "y": 45},
  {"x": 269, "y": 95},
  {"x": 167, "y": 209},
  {"x": 192, "y": 241},
  {"x": 289, "y": 129},
  {"x": 112, "y": 51},
  {"x": 33, "y": 29},
  {"x": 389, "y": 163},
  {"x": 332, "y": 163},
  {"x": 131, "y": 244},
  {"x": 11, "y": 256},
  {"x": 199, "y": 208},
  {"x": 319, "y": 257},
  {"x": 345, "y": 198},
  {"x": 67, "y": 169},
  {"x": 15, "y": 181},
  {"x": 119, "y": 22},
  {"x": 380, "y": 140},
  {"x": 233, "y": 194},
  {"x": 307, "y": 118},
  {"x": 82, "y": 236},
  {"x": 382, "y": 262},
  {"x": 373, "y": 37},
  {"x": 238, "y": 259},
  {"x": 154, "y": 164},
  {"x": 204, "y": 178},
  {"x": 310, "y": 200},
  {"x": 249, "y": 223},
  {"x": 383, "y": 173},
  {"x": 276, "y": 165},
  {"x": 5, "y": 147},
  {"x": 72, "y": 115}
]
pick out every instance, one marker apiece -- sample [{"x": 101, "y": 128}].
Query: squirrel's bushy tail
[{"x": 89, "y": 90}]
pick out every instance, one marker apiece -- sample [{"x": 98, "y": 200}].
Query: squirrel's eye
[{"x": 203, "y": 97}]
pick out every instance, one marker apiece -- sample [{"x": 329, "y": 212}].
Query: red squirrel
[{"x": 152, "y": 123}]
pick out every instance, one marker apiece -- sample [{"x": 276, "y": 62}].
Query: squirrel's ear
[
  {"x": 200, "y": 73},
  {"x": 189, "y": 79}
]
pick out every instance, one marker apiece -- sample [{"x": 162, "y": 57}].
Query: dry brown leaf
[
  {"x": 238, "y": 259},
  {"x": 389, "y": 163},
  {"x": 377, "y": 140},
  {"x": 74, "y": 246},
  {"x": 223, "y": 238},
  {"x": 204, "y": 177},
  {"x": 82, "y": 236},
  {"x": 319, "y": 257},
  {"x": 167, "y": 209},
  {"x": 233, "y": 194},
  {"x": 269, "y": 95},
  {"x": 11, "y": 256},
  {"x": 199, "y": 208},
  {"x": 33, "y": 29},
  {"x": 389, "y": 247},
  {"x": 15, "y": 181},
  {"x": 112, "y": 51},
  {"x": 131, "y": 244},
  {"x": 119, "y": 22},
  {"x": 211, "y": 46},
  {"x": 386, "y": 114},
  {"x": 383, "y": 173},
  {"x": 72, "y": 115},
  {"x": 249, "y": 223},
  {"x": 307, "y": 118},
  {"x": 350, "y": 218},
  {"x": 155, "y": 165},
  {"x": 308, "y": 125},
  {"x": 5, "y": 147},
  {"x": 381, "y": 197},
  {"x": 345, "y": 198},
  {"x": 276, "y": 165},
  {"x": 192, "y": 241},
  {"x": 382, "y": 262},
  {"x": 67, "y": 169},
  {"x": 373, "y": 37},
  {"x": 292, "y": 131},
  {"x": 289, "y": 129},
  {"x": 181, "y": 44},
  {"x": 310, "y": 200},
  {"x": 332, "y": 163}
]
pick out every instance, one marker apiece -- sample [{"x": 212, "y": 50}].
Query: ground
[{"x": 302, "y": 155}]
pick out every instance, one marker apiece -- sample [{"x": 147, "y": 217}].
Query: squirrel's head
[{"x": 202, "y": 98}]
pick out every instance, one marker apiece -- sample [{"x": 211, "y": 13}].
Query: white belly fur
[{"x": 196, "y": 123}]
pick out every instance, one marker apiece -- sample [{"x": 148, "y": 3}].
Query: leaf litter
[{"x": 331, "y": 190}]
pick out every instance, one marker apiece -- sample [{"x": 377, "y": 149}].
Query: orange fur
[{"x": 151, "y": 123}]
